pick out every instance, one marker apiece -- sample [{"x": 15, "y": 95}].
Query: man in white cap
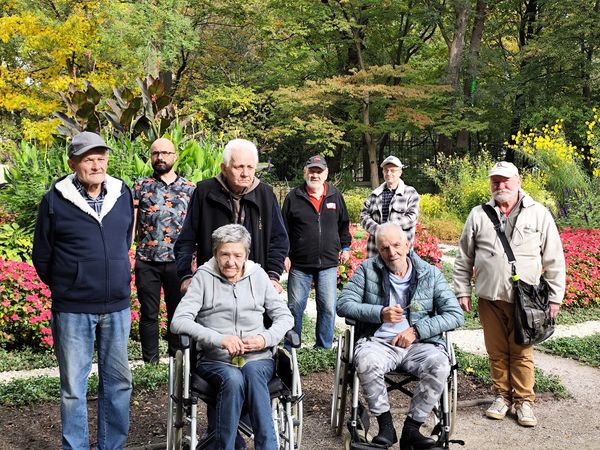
[
  {"x": 534, "y": 239},
  {"x": 393, "y": 201}
]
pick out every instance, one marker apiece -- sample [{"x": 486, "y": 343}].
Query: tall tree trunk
[
  {"x": 462, "y": 139},
  {"x": 527, "y": 32},
  {"x": 588, "y": 51},
  {"x": 455, "y": 50}
]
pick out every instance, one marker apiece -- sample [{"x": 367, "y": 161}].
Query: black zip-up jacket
[
  {"x": 316, "y": 238},
  {"x": 84, "y": 258},
  {"x": 210, "y": 208}
]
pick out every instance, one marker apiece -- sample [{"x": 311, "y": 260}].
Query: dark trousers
[{"x": 149, "y": 278}]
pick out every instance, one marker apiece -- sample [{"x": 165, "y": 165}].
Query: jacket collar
[{"x": 70, "y": 193}]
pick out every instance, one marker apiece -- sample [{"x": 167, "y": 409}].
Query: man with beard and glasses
[
  {"x": 317, "y": 223},
  {"x": 534, "y": 239},
  {"x": 160, "y": 202}
]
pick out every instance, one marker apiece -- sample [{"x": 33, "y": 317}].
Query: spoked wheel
[
  {"x": 298, "y": 414},
  {"x": 178, "y": 394},
  {"x": 452, "y": 391},
  {"x": 284, "y": 425},
  {"x": 340, "y": 387}
]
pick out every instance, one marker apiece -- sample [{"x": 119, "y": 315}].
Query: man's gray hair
[
  {"x": 387, "y": 226},
  {"x": 239, "y": 144},
  {"x": 232, "y": 233}
]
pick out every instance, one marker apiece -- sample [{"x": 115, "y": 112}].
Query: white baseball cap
[
  {"x": 504, "y": 169},
  {"x": 392, "y": 160}
]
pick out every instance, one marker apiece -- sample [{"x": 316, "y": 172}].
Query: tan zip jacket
[{"x": 535, "y": 241}]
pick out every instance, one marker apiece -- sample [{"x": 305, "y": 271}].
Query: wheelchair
[
  {"x": 186, "y": 387},
  {"x": 346, "y": 382}
]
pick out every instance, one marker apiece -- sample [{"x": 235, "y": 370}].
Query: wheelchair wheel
[
  {"x": 452, "y": 390},
  {"x": 340, "y": 387},
  {"x": 177, "y": 425},
  {"x": 298, "y": 410},
  {"x": 284, "y": 424}
]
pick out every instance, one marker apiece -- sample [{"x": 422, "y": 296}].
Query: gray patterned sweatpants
[{"x": 374, "y": 357}]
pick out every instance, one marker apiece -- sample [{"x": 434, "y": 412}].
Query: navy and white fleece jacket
[{"x": 82, "y": 256}]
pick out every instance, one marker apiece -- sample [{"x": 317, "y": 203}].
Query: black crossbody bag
[{"x": 533, "y": 323}]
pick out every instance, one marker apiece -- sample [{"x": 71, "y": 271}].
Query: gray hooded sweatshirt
[{"x": 213, "y": 308}]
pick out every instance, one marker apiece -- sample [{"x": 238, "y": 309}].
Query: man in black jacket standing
[
  {"x": 317, "y": 222},
  {"x": 233, "y": 196}
]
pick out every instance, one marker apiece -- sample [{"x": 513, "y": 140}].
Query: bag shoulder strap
[{"x": 491, "y": 213}]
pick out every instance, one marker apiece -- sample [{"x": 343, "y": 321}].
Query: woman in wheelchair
[
  {"x": 223, "y": 310},
  {"x": 402, "y": 305}
]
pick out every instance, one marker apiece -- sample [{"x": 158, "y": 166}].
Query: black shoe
[
  {"x": 412, "y": 438},
  {"x": 387, "y": 432}
]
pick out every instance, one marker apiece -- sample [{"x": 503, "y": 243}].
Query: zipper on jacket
[
  {"x": 235, "y": 316},
  {"x": 106, "y": 267}
]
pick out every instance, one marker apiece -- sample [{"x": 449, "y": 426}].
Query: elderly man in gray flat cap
[
  {"x": 393, "y": 201},
  {"x": 80, "y": 250}
]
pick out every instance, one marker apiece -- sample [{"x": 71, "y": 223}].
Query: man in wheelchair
[
  {"x": 402, "y": 306},
  {"x": 223, "y": 311}
]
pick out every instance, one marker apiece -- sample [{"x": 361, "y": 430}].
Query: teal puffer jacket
[{"x": 367, "y": 293}]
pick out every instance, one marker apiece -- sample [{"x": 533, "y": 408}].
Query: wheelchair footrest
[{"x": 366, "y": 446}]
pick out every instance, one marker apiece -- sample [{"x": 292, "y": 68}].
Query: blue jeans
[
  {"x": 236, "y": 387},
  {"x": 74, "y": 336},
  {"x": 299, "y": 283}
]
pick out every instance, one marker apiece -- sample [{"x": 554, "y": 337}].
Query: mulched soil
[{"x": 38, "y": 427}]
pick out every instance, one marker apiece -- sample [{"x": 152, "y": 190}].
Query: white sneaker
[
  {"x": 498, "y": 409},
  {"x": 525, "y": 416}
]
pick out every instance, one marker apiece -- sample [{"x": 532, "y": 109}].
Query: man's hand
[
  {"x": 287, "y": 264},
  {"x": 465, "y": 303},
  {"x": 233, "y": 345},
  {"x": 554, "y": 307},
  {"x": 405, "y": 338},
  {"x": 277, "y": 286},
  {"x": 344, "y": 256},
  {"x": 185, "y": 284},
  {"x": 393, "y": 314},
  {"x": 254, "y": 343}
]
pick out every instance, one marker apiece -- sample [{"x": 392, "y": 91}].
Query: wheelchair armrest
[
  {"x": 350, "y": 322},
  {"x": 293, "y": 338},
  {"x": 184, "y": 341}
]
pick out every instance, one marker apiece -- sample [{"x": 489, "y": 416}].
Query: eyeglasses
[{"x": 163, "y": 154}]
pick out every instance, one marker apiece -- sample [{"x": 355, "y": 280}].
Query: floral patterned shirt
[{"x": 161, "y": 210}]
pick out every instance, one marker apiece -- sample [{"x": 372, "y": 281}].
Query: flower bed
[
  {"x": 25, "y": 308},
  {"x": 582, "y": 256}
]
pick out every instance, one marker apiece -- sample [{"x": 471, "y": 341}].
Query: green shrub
[
  {"x": 32, "y": 170},
  {"x": 585, "y": 349},
  {"x": 463, "y": 183},
  {"x": 582, "y": 212},
  {"x": 313, "y": 360},
  {"x": 355, "y": 200},
  {"x": 15, "y": 242}
]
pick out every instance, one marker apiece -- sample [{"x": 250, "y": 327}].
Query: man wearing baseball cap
[
  {"x": 534, "y": 239},
  {"x": 317, "y": 223},
  {"x": 80, "y": 250},
  {"x": 393, "y": 201}
]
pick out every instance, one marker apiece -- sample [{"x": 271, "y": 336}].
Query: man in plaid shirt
[{"x": 393, "y": 201}]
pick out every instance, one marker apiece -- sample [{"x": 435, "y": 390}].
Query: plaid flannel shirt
[{"x": 404, "y": 211}]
